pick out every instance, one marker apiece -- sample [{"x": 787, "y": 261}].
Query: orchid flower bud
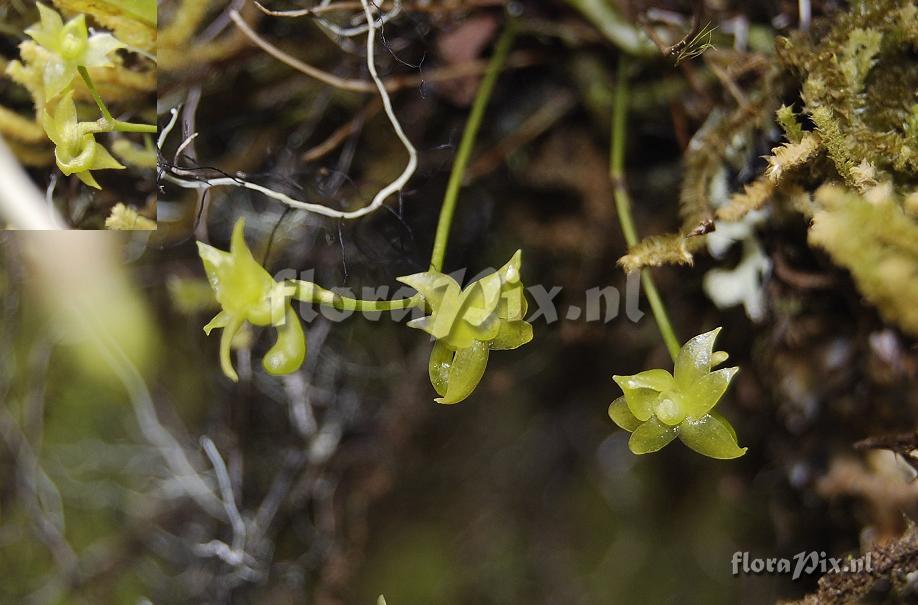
[
  {"x": 658, "y": 406},
  {"x": 69, "y": 46},
  {"x": 468, "y": 323},
  {"x": 248, "y": 293}
]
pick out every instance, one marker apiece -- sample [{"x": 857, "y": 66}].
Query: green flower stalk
[
  {"x": 76, "y": 150},
  {"x": 248, "y": 293},
  {"x": 69, "y": 46},
  {"x": 467, "y": 324},
  {"x": 658, "y": 406}
]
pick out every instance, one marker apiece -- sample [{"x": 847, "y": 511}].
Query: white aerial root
[
  {"x": 347, "y": 32},
  {"x": 327, "y": 7},
  {"x": 233, "y": 554},
  {"x": 174, "y": 173},
  {"x": 168, "y": 128}
]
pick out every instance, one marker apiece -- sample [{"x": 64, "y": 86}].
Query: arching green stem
[
  {"x": 623, "y": 203},
  {"x": 311, "y": 293},
  {"x": 108, "y": 123},
  {"x": 468, "y": 141}
]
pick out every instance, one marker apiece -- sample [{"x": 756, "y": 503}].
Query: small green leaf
[
  {"x": 441, "y": 358},
  {"x": 465, "y": 372},
  {"x": 226, "y": 341},
  {"x": 622, "y": 416},
  {"x": 711, "y": 437},
  {"x": 642, "y": 390},
  {"x": 87, "y": 179},
  {"x": 103, "y": 160},
  {"x": 704, "y": 394},
  {"x": 694, "y": 359},
  {"x": 48, "y": 29},
  {"x": 220, "y": 320},
  {"x": 480, "y": 299},
  {"x": 720, "y": 417},
  {"x": 289, "y": 351},
  {"x": 658, "y": 380},
  {"x": 432, "y": 285},
  {"x": 512, "y": 334},
  {"x": 651, "y": 436}
]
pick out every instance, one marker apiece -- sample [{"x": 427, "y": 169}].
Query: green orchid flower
[
  {"x": 248, "y": 293},
  {"x": 70, "y": 46},
  {"x": 467, "y": 324},
  {"x": 658, "y": 406},
  {"x": 76, "y": 151}
]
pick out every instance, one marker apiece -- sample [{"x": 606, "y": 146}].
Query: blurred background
[{"x": 133, "y": 471}]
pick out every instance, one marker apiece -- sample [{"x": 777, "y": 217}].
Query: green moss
[
  {"x": 872, "y": 237},
  {"x": 857, "y": 82}
]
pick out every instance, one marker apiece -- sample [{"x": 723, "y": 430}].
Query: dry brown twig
[
  {"x": 534, "y": 125},
  {"x": 336, "y": 138},
  {"x": 316, "y": 11},
  {"x": 391, "y": 84}
]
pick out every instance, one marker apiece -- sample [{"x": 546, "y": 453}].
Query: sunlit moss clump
[
  {"x": 858, "y": 88},
  {"x": 857, "y": 122},
  {"x": 124, "y": 218},
  {"x": 874, "y": 237}
]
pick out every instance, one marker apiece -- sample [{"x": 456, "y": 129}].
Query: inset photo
[{"x": 77, "y": 114}]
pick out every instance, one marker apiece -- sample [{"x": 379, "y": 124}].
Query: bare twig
[
  {"x": 309, "y": 70},
  {"x": 341, "y": 134},
  {"x": 391, "y": 84},
  {"x": 235, "y": 554},
  {"x": 540, "y": 121},
  {"x": 439, "y": 7}
]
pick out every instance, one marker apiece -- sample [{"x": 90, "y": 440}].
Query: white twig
[
  {"x": 326, "y": 7},
  {"x": 20, "y": 202},
  {"x": 226, "y": 493},
  {"x": 377, "y": 200},
  {"x": 348, "y": 32},
  {"x": 183, "y": 146},
  {"x": 168, "y": 128},
  {"x": 223, "y": 551},
  {"x": 49, "y": 200},
  {"x": 171, "y": 451}
]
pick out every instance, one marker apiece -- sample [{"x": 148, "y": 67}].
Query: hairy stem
[
  {"x": 623, "y": 203},
  {"x": 468, "y": 141}
]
